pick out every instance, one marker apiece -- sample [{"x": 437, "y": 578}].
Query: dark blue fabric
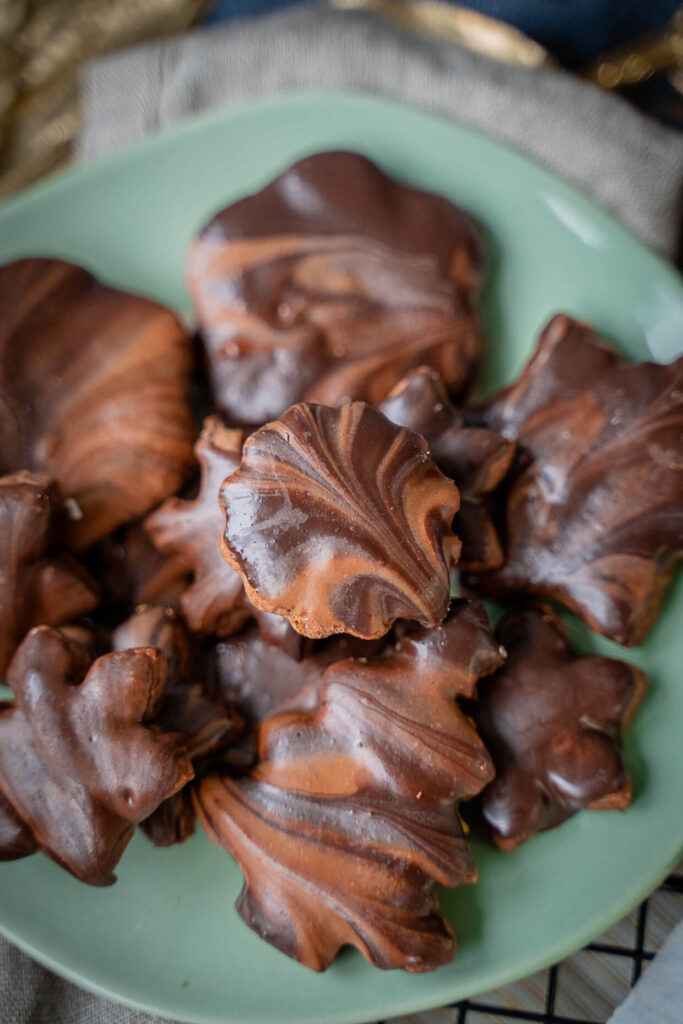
[
  {"x": 225, "y": 9},
  {"x": 573, "y": 30},
  {"x": 576, "y": 30}
]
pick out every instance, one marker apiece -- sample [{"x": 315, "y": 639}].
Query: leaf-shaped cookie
[
  {"x": 477, "y": 460},
  {"x": 79, "y": 765},
  {"x": 93, "y": 391},
  {"x": 206, "y": 723},
  {"x": 552, "y": 720},
  {"x": 340, "y": 521},
  {"x": 39, "y": 584},
  {"x": 594, "y": 512},
  {"x": 192, "y": 529},
  {"x": 330, "y": 284},
  {"x": 349, "y": 816}
]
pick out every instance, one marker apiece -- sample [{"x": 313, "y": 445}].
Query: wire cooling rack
[{"x": 586, "y": 987}]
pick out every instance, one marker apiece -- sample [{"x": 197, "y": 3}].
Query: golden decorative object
[
  {"x": 456, "y": 24},
  {"x": 43, "y": 45},
  {"x": 653, "y": 54}
]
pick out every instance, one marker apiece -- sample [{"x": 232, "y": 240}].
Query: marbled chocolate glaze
[
  {"x": 93, "y": 391},
  {"x": 79, "y": 764},
  {"x": 477, "y": 460},
  {"x": 349, "y": 816},
  {"x": 206, "y": 723},
  {"x": 262, "y": 679},
  {"x": 192, "y": 530},
  {"x": 39, "y": 583},
  {"x": 552, "y": 722},
  {"x": 329, "y": 285},
  {"x": 594, "y": 512},
  {"x": 340, "y": 521}
]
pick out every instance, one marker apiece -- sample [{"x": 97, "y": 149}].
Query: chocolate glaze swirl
[
  {"x": 79, "y": 764},
  {"x": 349, "y": 816},
  {"x": 190, "y": 531},
  {"x": 552, "y": 722},
  {"x": 93, "y": 391},
  {"x": 340, "y": 521},
  {"x": 39, "y": 583},
  {"x": 262, "y": 679},
  {"x": 477, "y": 460},
  {"x": 594, "y": 512},
  {"x": 329, "y": 285}
]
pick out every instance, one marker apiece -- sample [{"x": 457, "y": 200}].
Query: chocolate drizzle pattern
[
  {"x": 552, "y": 723},
  {"x": 476, "y": 459},
  {"x": 189, "y": 531},
  {"x": 262, "y": 679},
  {"x": 594, "y": 512},
  {"x": 349, "y": 816},
  {"x": 93, "y": 391},
  {"x": 340, "y": 521},
  {"x": 39, "y": 583},
  {"x": 79, "y": 764},
  {"x": 330, "y": 285}
]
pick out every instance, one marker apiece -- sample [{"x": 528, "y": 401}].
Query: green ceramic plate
[{"x": 166, "y": 937}]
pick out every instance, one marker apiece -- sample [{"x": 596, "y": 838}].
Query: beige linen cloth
[{"x": 627, "y": 163}]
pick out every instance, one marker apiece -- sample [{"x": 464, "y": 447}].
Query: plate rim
[{"x": 200, "y": 120}]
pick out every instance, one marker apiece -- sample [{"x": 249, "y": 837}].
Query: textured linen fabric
[
  {"x": 658, "y": 998},
  {"x": 627, "y": 163},
  {"x": 573, "y": 32}
]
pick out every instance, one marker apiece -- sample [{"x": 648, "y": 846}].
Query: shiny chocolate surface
[
  {"x": 594, "y": 511},
  {"x": 79, "y": 764},
  {"x": 551, "y": 720},
  {"x": 340, "y": 521},
  {"x": 40, "y": 583},
  {"x": 349, "y": 815},
  {"x": 476, "y": 459},
  {"x": 330, "y": 284},
  {"x": 93, "y": 391}
]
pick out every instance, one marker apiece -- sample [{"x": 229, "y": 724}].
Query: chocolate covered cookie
[
  {"x": 476, "y": 459},
  {"x": 93, "y": 391},
  {"x": 552, "y": 722},
  {"x": 80, "y": 766},
  {"x": 39, "y": 582},
  {"x": 594, "y": 512},
  {"x": 192, "y": 531},
  {"x": 330, "y": 284},
  {"x": 207, "y": 724},
  {"x": 340, "y": 521},
  {"x": 349, "y": 815},
  {"x": 261, "y": 679}
]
